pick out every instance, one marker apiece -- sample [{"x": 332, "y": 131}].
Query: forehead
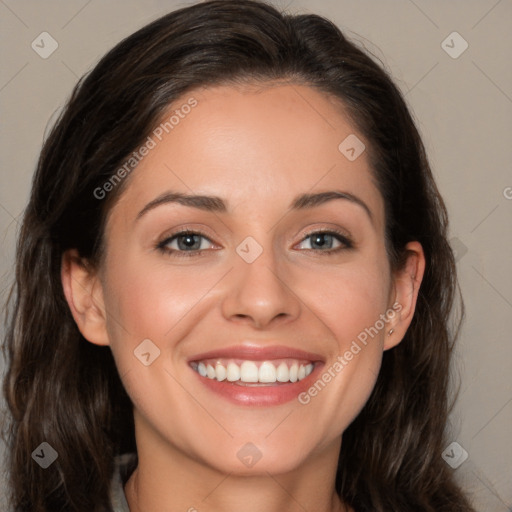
[{"x": 252, "y": 144}]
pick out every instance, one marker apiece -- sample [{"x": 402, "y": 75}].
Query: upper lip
[{"x": 254, "y": 352}]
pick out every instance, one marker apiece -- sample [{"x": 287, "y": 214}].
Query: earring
[{"x": 391, "y": 331}]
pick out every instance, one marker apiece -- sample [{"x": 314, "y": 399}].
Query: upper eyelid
[{"x": 326, "y": 229}]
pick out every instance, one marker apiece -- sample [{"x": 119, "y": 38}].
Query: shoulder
[{"x": 124, "y": 466}]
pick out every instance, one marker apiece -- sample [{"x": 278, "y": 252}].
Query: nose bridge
[{"x": 258, "y": 292}]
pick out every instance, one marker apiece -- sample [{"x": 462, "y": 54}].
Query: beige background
[{"x": 464, "y": 110}]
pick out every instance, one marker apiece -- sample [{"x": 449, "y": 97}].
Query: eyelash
[{"x": 341, "y": 237}]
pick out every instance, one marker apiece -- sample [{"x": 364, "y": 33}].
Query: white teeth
[
  {"x": 210, "y": 372},
  {"x": 283, "y": 374},
  {"x": 249, "y": 371},
  {"x": 267, "y": 372},
  {"x": 233, "y": 372},
  {"x": 294, "y": 369},
  {"x": 221, "y": 372}
]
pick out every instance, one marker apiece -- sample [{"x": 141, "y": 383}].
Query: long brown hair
[{"x": 62, "y": 390}]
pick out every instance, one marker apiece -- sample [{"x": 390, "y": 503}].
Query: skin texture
[{"x": 257, "y": 148}]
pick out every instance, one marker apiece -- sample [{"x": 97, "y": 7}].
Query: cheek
[
  {"x": 351, "y": 297},
  {"x": 151, "y": 307},
  {"x": 352, "y": 302},
  {"x": 152, "y": 300}
]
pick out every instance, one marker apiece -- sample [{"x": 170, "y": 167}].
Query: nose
[{"x": 259, "y": 294}]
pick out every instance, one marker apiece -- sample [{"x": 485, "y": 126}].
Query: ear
[
  {"x": 406, "y": 284},
  {"x": 84, "y": 294}
]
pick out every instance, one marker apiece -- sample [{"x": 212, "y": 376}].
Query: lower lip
[{"x": 264, "y": 395}]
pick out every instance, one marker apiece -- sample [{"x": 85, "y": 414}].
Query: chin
[{"x": 258, "y": 457}]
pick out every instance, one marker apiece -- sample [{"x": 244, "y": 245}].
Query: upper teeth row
[{"x": 248, "y": 371}]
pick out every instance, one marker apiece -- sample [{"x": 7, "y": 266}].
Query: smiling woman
[{"x": 256, "y": 311}]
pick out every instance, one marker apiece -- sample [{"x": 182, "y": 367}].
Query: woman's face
[{"x": 288, "y": 324}]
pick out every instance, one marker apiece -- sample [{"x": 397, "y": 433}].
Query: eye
[
  {"x": 191, "y": 243},
  {"x": 323, "y": 241},
  {"x": 183, "y": 242}
]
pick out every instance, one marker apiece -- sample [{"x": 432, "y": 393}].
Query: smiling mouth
[
  {"x": 248, "y": 374},
  {"x": 254, "y": 373}
]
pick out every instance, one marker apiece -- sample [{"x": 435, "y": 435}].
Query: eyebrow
[{"x": 217, "y": 205}]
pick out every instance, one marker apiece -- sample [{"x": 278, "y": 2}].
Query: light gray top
[{"x": 124, "y": 465}]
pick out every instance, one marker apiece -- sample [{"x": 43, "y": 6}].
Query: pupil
[
  {"x": 189, "y": 241},
  {"x": 319, "y": 240}
]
